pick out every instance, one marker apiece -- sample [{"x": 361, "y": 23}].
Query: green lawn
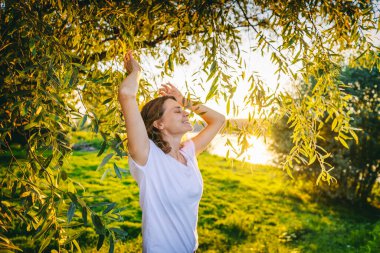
[{"x": 244, "y": 208}]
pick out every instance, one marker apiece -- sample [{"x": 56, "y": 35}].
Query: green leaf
[
  {"x": 170, "y": 62},
  {"x": 96, "y": 125},
  {"x": 84, "y": 215},
  {"x": 105, "y": 160},
  {"x": 104, "y": 174},
  {"x": 102, "y": 148},
  {"x": 77, "y": 246},
  {"x": 109, "y": 208},
  {"x": 100, "y": 242},
  {"x": 70, "y": 187},
  {"x": 119, "y": 231},
  {"x": 73, "y": 78},
  {"x": 83, "y": 121},
  {"x": 353, "y": 134},
  {"x": 80, "y": 66},
  {"x": 48, "y": 161},
  {"x": 99, "y": 227},
  {"x": 70, "y": 212},
  {"x": 25, "y": 194},
  {"x": 117, "y": 170},
  {"x": 107, "y": 101},
  {"x": 30, "y": 125},
  {"x": 46, "y": 242},
  {"x": 63, "y": 175},
  {"x": 312, "y": 159},
  {"x": 118, "y": 210},
  {"x": 112, "y": 245},
  {"x": 333, "y": 125},
  {"x": 344, "y": 143},
  {"x": 213, "y": 69},
  {"x": 60, "y": 4},
  {"x": 211, "y": 92},
  {"x": 100, "y": 204},
  {"x": 43, "y": 228}
]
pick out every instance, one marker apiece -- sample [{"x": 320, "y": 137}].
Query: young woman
[{"x": 165, "y": 169}]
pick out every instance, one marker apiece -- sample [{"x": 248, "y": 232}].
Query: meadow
[{"x": 244, "y": 208}]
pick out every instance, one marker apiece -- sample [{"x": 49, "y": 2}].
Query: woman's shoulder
[{"x": 188, "y": 147}]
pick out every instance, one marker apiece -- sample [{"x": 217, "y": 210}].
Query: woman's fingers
[
  {"x": 165, "y": 87},
  {"x": 127, "y": 61},
  {"x": 130, "y": 64},
  {"x": 172, "y": 86}
]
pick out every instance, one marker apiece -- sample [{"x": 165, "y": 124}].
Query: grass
[{"x": 244, "y": 208}]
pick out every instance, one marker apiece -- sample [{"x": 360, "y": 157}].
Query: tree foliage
[
  {"x": 56, "y": 55},
  {"x": 356, "y": 167}
]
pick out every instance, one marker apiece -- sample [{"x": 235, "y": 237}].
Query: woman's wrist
[{"x": 126, "y": 95}]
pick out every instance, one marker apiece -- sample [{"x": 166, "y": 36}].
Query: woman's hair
[{"x": 152, "y": 111}]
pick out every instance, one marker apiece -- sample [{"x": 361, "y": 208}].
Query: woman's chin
[{"x": 189, "y": 128}]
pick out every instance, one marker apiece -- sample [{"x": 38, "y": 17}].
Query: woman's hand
[
  {"x": 130, "y": 84},
  {"x": 130, "y": 64},
  {"x": 169, "y": 89}
]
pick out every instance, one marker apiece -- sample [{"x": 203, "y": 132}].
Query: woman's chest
[{"x": 175, "y": 182}]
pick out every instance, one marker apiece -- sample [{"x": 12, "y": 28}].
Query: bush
[{"x": 356, "y": 168}]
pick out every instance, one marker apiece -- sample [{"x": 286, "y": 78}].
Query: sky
[{"x": 255, "y": 62}]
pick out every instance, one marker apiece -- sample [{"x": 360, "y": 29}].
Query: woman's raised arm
[
  {"x": 214, "y": 120},
  {"x": 138, "y": 142}
]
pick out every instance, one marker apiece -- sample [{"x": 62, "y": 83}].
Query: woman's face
[{"x": 174, "y": 120}]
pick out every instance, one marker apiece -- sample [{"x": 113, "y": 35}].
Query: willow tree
[{"x": 58, "y": 54}]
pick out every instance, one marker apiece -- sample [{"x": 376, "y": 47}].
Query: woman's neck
[{"x": 174, "y": 142}]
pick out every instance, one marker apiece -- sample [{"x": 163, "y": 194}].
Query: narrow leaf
[
  {"x": 312, "y": 159},
  {"x": 104, "y": 174},
  {"x": 333, "y": 125},
  {"x": 99, "y": 227},
  {"x": 117, "y": 170},
  {"x": 107, "y": 101},
  {"x": 353, "y": 134},
  {"x": 83, "y": 121},
  {"x": 70, "y": 212},
  {"x": 77, "y": 246},
  {"x": 84, "y": 215},
  {"x": 100, "y": 242},
  {"x": 46, "y": 242},
  {"x": 105, "y": 160},
  {"x": 119, "y": 231},
  {"x": 109, "y": 208},
  {"x": 112, "y": 245},
  {"x": 344, "y": 143},
  {"x": 102, "y": 148}
]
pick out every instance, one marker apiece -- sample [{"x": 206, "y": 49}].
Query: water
[{"x": 257, "y": 153}]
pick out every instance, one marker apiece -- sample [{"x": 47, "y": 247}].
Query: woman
[{"x": 165, "y": 169}]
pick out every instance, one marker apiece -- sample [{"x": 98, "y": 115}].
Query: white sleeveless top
[{"x": 169, "y": 198}]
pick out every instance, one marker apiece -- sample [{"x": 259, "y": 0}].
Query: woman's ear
[{"x": 158, "y": 124}]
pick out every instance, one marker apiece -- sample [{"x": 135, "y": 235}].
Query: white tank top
[{"x": 169, "y": 198}]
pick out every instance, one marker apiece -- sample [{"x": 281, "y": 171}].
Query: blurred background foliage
[
  {"x": 60, "y": 69},
  {"x": 356, "y": 167}
]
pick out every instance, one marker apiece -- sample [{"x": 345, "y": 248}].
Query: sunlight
[{"x": 258, "y": 153}]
